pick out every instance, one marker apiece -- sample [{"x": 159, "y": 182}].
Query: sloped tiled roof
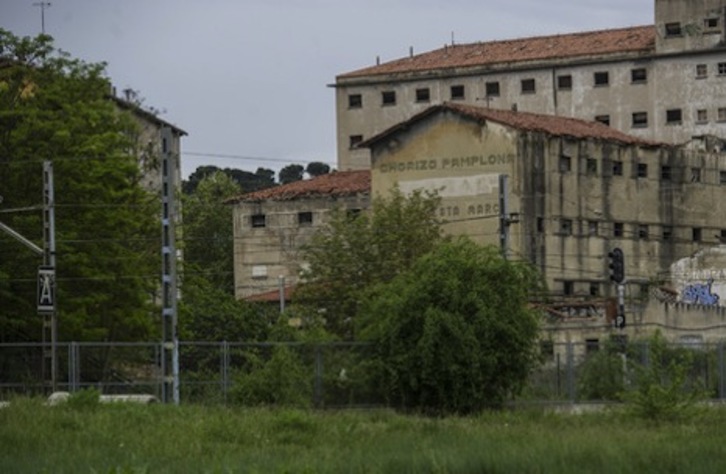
[
  {"x": 633, "y": 40},
  {"x": 526, "y": 121},
  {"x": 339, "y": 183}
]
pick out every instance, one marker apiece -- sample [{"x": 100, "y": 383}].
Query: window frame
[
  {"x": 701, "y": 71},
  {"x": 636, "y": 72},
  {"x": 603, "y": 119},
  {"x": 258, "y": 221},
  {"x": 525, "y": 86},
  {"x": 673, "y": 29},
  {"x": 674, "y": 116},
  {"x": 423, "y": 95},
  {"x": 492, "y": 89},
  {"x": 564, "y": 82},
  {"x": 355, "y": 101},
  {"x": 639, "y": 119},
  {"x": 601, "y": 78},
  {"x": 305, "y": 218},
  {"x": 388, "y": 98},
  {"x": 457, "y": 92},
  {"x": 354, "y": 140}
]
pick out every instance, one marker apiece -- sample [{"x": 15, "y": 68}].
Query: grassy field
[{"x": 126, "y": 438}]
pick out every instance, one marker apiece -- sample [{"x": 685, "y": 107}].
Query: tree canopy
[
  {"x": 454, "y": 332},
  {"x": 56, "y": 108},
  {"x": 316, "y": 168},
  {"x": 291, "y": 173}
]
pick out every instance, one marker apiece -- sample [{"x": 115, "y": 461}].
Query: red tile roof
[
  {"x": 338, "y": 183},
  {"x": 633, "y": 40},
  {"x": 526, "y": 121},
  {"x": 271, "y": 296}
]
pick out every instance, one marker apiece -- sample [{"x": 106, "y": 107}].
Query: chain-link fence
[{"x": 328, "y": 375}]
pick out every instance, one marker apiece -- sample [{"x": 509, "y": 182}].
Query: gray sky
[{"x": 249, "y": 77}]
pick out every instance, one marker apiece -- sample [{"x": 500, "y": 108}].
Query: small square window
[
  {"x": 258, "y": 220},
  {"x": 701, "y": 116},
  {"x": 592, "y": 345},
  {"x": 701, "y": 71},
  {"x": 617, "y": 229},
  {"x": 565, "y": 164},
  {"x": 602, "y": 78},
  {"x": 617, "y": 168},
  {"x": 423, "y": 95},
  {"x": 642, "y": 170},
  {"x": 673, "y": 29},
  {"x": 666, "y": 173},
  {"x": 492, "y": 89},
  {"x": 639, "y": 75},
  {"x": 354, "y": 140},
  {"x": 528, "y": 86},
  {"x": 721, "y": 69},
  {"x": 604, "y": 119},
  {"x": 667, "y": 233},
  {"x": 564, "y": 83},
  {"x": 305, "y": 218},
  {"x": 674, "y": 116},
  {"x": 591, "y": 166},
  {"x": 640, "y": 119},
  {"x": 592, "y": 228},
  {"x": 643, "y": 232},
  {"x": 568, "y": 288},
  {"x": 722, "y": 178},
  {"x": 710, "y": 23},
  {"x": 695, "y": 175},
  {"x": 594, "y": 289},
  {"x": 388, "y": 97},
  {"x": 721, "y": 114},
  {"x": 457, "y": 92},
  {"x": 566, "y": 226},
  {"x": 697, "y": 234},
  {"x": 355, "y": 101}
]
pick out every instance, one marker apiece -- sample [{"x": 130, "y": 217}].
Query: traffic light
[{"x": 617, "y": 265}]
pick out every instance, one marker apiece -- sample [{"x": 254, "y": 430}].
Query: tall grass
[{"x": 126, "y": 438}]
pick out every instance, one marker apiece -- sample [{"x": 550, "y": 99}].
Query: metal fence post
[
  {"x": 225, "y": 370},
  {"x": 570, "y": 372}
]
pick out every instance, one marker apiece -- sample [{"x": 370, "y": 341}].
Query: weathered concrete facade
[
  {"x": 577, "y": 193},
  {"x": 662, "y": 82},
  {"x": 272, "y": 225}
]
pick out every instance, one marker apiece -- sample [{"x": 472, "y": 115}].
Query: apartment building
[{"x": 664, "y": 82}]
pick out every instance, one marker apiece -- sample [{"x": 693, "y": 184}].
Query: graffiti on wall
[{"x": 700, "y": 293}]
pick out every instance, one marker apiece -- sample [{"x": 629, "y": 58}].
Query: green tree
[
  {"x": 291, "y": 173},
  {"x": 317, "y": 168},
  {"x": 350, "y": 254},
  {"x": 248, "y": 182},
  {"x": 56, "y": 108},
  {"x": 454, "y": 333},
  {"x": 208, "y": 233}
]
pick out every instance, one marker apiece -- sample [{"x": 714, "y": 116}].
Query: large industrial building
[{"x": 664, "y": 82}]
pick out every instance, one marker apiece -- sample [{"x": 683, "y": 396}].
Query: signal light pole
[{"x": 617, "y": 275}]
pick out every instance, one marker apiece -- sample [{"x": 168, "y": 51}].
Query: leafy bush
[
  {"x": 86, "y": 399},
  {"x": 603, "y": 375}
]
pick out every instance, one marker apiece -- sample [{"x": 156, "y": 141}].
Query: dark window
[
  {"x": 388, "y": 97},
  {"x": 305, "y": 218},
  {"x": 721, "y": 114},
  {"x": 701, "y": 71},
  {"x": 547, "y": 349},
  {"x": 722, "y": 238},
  {"x": 602, "y": 78},
  {"x": 528, "y": 86},
  {"x": 566, "y": 226},
  {"x": 673, "y": 29},
  {"x": 666, "y": 173},
  {"x": 639, "y": 75},
  {"x": 642, "y": 170},
  {"x": 492, "y": 89},
  {"x": 592, "y": 228},
  {"x": 674, "y": 116},
  {"x": 354, "y": 140},
  {"x": 457, "y": 92},
  {"x": 592, "y": 345},
  {"x": 617, "y": 229},
  {"x": 594, "y": 289},
  {"x": 352, "y": 213},
  {"x": 617, "y": 168},
  {"x": 697, "y": 234},
  {"x": 568, "y": 288},
  {"x": 643, "y": 232},
  {"x": 695, "y": 175},
  {"x": 564, "y": 82},
  {"x": 721, "y": 69},
  {"x": 355, "y": 101},
  {"x": 722, "y": 178},
  {"x": 423, "y": 95},
  {"x": 591, "y": 166},
  {"x": 565, "y": 163},
  {"x": 640, "y": 119},
  {"x": 667, "y": 233},
  {"x": 540, "y": 225},
  {"x": 258, "y": 220},
  {"x": 710, "y": 23},
  {"x": 701, "y": 116},
  {"x": 603, "y": 119}
]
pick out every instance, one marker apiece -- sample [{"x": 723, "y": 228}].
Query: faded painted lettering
[{"x": 433, "y": 164}]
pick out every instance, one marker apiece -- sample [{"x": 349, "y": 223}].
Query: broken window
[
  {"x": 640, "y": 119},
  {"x": 354, "y": 140},
  {"x": 604, "y": 119},
  {"x": 673, "y": 29},
  {"x": 258, "y": 220},
  {"x": 388, "y": 97},
  {"x": 355, "y": 101},
  {"x": 423, "y": 95},
  {"x": 457, "y": 92},
  {"x": 701, "y": 71},
  {"x": 638, "y": 75}
]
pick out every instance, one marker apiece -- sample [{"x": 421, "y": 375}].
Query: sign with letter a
[{"x": 46, "y": 289}]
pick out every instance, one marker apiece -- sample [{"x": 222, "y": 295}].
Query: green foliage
[
  {"x": 317, "y": 168},
  {"x": 248, "y": 182},
  {"x": 350, "y": 254},
  {"x": 208, "y": 232},
  {"x": 282, "y": 380},
  {"x": 603, "y": 374},
  {"x": 660, "y": 386},
  {"x": 56, "y": 108},
  {"x": 85, "y": 399},
  {"x": 291, "y": 173},
  {"x": 454, "y": 333}
]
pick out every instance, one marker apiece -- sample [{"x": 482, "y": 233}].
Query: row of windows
[
  {"x": 304, "y": 218},
  {"x": 617, "y": 230},
  {"x": 639, "y": 171},
  {"x": 675, "y": 29},
  {"x": 527, "y": 86}
]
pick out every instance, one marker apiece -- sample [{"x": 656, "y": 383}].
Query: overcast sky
[{"x": 249, "y": 77}]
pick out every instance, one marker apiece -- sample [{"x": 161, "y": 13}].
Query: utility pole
[
  {"x": 46, "y": 275},
  {"x": 169, "y": 290},
  {"x": 43, "y": 6}
]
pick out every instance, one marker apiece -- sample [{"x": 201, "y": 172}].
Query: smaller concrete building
[{"x": 271, "y": 226}]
